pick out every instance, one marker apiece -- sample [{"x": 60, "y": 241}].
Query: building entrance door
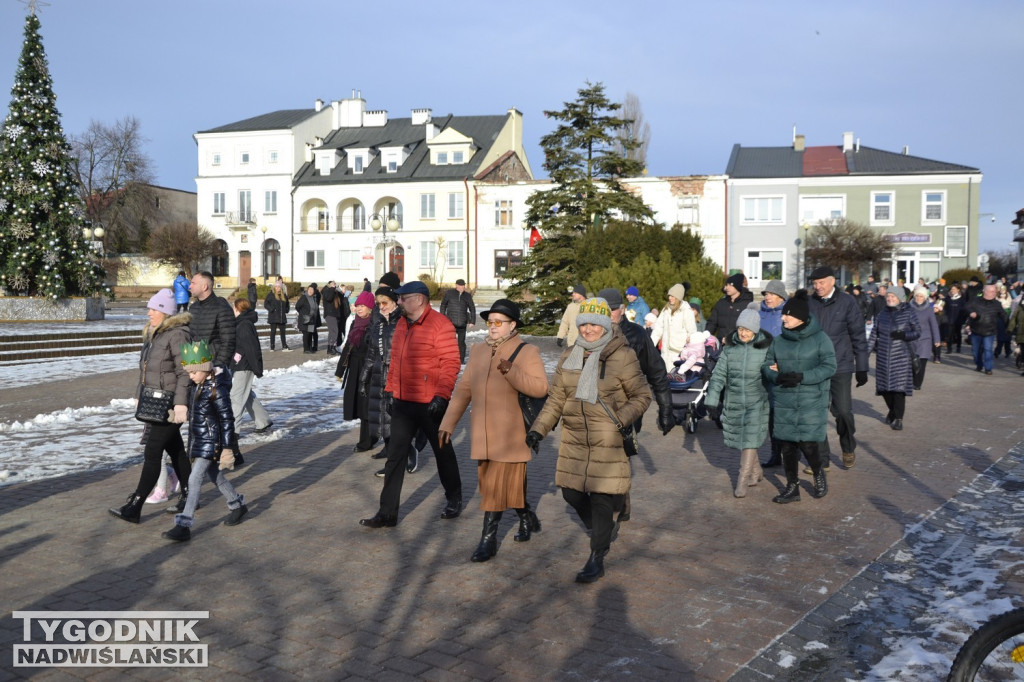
[
  {"x": 396, "y": 262},
  {"x": 244, "y": 268}
]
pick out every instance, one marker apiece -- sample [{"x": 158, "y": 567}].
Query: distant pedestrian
[
  {"x": 308, "y": 319},
  {"x": 735, "y": 299},
  {"x": 181, "y": 292},
  {"x": 277, "y": 307},
  {"x": 250, "y": 292},
  {"x": 674, "y": 326},
  {"x": 983, "y": 315},
  {"x": 246, "y": 368},
  {"x": 457, "y": 305},
  {"x": 929, "y": 344},
  {"x": 334, "y": 306},
  {"x": 892, "y": 336},
  {"x": 636, "y": 308},
  {"x": 350, "y": 367},
  {"x": 567, "y": 331},
  {"x": 366, "y": 285}
]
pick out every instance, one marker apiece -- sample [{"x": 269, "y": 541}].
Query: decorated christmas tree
[{"x": 42, "y": 250}]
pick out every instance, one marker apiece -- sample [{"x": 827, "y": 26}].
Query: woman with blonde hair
[{"x": 674, "y": 325}]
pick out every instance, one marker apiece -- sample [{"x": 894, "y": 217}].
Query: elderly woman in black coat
[
  {"x": 892, "y": 336},
  {"x": 350, "y": 367},
  {"x": 308, "y": 310}
]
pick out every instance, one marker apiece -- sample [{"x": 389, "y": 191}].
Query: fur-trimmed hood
[{"x": 170, "y": 322}]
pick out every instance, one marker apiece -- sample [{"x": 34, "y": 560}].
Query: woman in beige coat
[
  {"x": 493, "y": 383},
  {"x": 673, "y": 327},
  {"x": 600, "y": 374}
]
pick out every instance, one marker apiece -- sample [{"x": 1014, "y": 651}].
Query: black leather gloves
[
  {"x": 533, "y": 440},
  {"x": 862, "y": 378},
  {"x": 666, "y": 420},
  {"x": 715, "y": 412},
  {"x": 437, "y": 407},
  {"x": 560, "y": 342},
  {"x": 790, "y": 379},
  {"x": 898, "y": 334}
]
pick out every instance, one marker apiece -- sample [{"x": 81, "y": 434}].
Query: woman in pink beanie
[{"x": 350, "y": 366}]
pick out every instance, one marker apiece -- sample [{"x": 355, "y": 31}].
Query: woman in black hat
[{"x": 497, "y": 371}]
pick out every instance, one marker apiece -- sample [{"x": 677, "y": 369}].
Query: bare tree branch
[
  {"x": 845, "y": 243},
  {"x": 633, "y": 139},
  {"x": 182, "y": 246}
]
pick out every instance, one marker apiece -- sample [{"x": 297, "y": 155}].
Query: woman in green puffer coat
[
  {"x": 800, "y": 362},
  {"x": 745, "y": 412}
]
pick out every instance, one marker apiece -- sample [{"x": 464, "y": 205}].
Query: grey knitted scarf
[{"x": 586, "y": 389}]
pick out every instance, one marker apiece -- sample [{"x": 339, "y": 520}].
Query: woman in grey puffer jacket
[{"x": 160, "y": 367}]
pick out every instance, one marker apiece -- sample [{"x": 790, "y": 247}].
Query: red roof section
[{"x": 824, "y": 161}]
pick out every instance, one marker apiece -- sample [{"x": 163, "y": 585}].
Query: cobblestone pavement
[{"x": 699, "y": 585}]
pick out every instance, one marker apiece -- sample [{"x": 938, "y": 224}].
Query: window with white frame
[
  {"x": 956, "y": 241},
  {"x": 243, "y": 158},
  {"x": 689, "y": 209},
  {"x": 358, "y": 164},
  {"x": 455, "y": 205},
  {"x": 814, "y": 209},
  {"x": 323, "y": 219},
  {"x": 458, "y": 157},
  {"x": 503, "y": 213},
  {"x": 455, "y": 254},
  {"x": 426, "y": 206},
  {"x": 270, "y": 201},
  {"x": 933, "y": 206},
  {"x": 218, "y": 203},
  {"x": 428, "y": 253},
  {"x": 314, "y": 259},
  {"x": 215, "y": 161},
  {"x": 245, "y": 205},
  {"x": 392, "y": 165},
  {"x": 272, "y": 156},
  {"x": 442, "y": 158},
  {"x": 349, "y": 259},
  {"x": 766, "y": 210},
  {"x": 765, "y": 264},
  {"x": 883, "y": 208}
]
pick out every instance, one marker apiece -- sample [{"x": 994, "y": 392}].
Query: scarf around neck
[
  {"x": 496, "y": 343},
  {"x": 586, "y": 389},
  {"x": 358, "y": 330}
]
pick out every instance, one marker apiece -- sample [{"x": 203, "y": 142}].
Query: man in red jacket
[{"x": 424, "y": 366}]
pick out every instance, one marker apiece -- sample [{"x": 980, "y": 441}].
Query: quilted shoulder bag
[{"x": 154, "y": 404}]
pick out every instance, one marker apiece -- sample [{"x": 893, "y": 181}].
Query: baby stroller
[{"x": 690, "y": 389}]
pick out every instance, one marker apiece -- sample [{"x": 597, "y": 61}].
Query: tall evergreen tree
[
  {"x": 42, "y": 251},
  {"x": 580, "y": 156}
]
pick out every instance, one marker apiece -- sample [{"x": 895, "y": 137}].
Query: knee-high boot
[
  {"x": 528, "y": 524},
  {"x": 488, "y": 546},
  {"x": 750, "y": 472}
]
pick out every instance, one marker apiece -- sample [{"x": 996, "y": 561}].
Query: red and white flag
[{"x": 534, "y": 237}]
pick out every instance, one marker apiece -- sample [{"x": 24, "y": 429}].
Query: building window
[
  {"x": 358, "y": 167},
  {"x": 933, "y": 206},
  {"x": 219, "y": 259},
  {"x": 503, "y": 213},
  {"x": 270, "y": 201},
  {"x": 426, "y": 206},
  {"x": 505, "y": 259},
  {"x": 883, "y": 208},
  {"x": 349, "y": 260},
  {"x": 442, "y": 158},
  {"x": 764, "y": 264},
  {"x": 244, "y": 206},
  {"x": 392, "y": 165},
  {"x": 689, "y": 209},
  {"x": 272, "y": 157},
  {"x": 216, "y": 160},
  {"x": 244, "y": 158},
  {"x": 323, "y": 220},
  {"x": 314, "y": 259},
  {"x": 458, "y": 157},
  {"x": 271, "y": 258},
  {"x": 768, "y": 210},
  {"x": 455, "y": 205},
  {"x": 956, "y": 242},
  {"x": 428, "y": 252},
  {"x": 218, "y": 203},
  {"x": 814, "y": 209},
  {"x": 358, "y": 217},
  {"x": 455, "y": 255}
]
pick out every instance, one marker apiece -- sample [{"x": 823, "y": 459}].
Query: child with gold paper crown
[{"x": 210, "y": 434}]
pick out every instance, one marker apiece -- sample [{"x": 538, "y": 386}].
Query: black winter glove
[
  {"x": 533, "y": 440},
  {"x": 388, "y": 402},
  {"x": 560, "y": 342},
  {"x": 898, "y": 334},
  {"x": 790, "y": 379},
  {"x": 666, "y": 420},
  {"x": 862, "y": 378},
  {"x": 437, "y": 407},
  {"x": 715, "y": 412}
]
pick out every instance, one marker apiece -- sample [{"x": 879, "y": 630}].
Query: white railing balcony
[
  {"x": 348, "y": 223},
  {"x": 240, "y": 218}
]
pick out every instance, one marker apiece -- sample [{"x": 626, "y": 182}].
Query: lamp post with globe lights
[
  {"x": 384, "y": 223},
  {"x": 263, "y": 253}
]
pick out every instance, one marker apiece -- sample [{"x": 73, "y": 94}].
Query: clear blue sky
[{"x": 942, "y": 77}]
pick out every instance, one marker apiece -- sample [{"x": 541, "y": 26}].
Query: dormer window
[
  {"x": 458, "y": 157},
  {"x": 245, "y": 158},
  {"x": 442, "y": 158},
  {"x": 357, "y": 164}
]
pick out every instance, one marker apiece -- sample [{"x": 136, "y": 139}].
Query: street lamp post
[
  {"x": 380, "y": 222},
  {"x": 97, "y": 232},
  {"x": 263, "y": 253}
]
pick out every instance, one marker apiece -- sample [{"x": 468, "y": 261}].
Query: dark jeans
[
  {"x": 597, "y": 511},
  {"x": 841, "y": 407},
  {"x": 309, "y": 340},
  {"x": 896, "y": 401},
  {"x": 982, "y": 347},
  {"x": 163, "y": 438},
  {"x": 791, "y": 458},
  {"x": 406, "y": 419},
  {"x": 460, "y": 334},
  {"x": 274, "y": 329}
]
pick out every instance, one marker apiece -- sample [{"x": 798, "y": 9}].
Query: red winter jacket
[{"x": 424, "y": 358}]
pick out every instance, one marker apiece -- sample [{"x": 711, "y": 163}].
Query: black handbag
[
  {"x": 629, "y": 441},
  {"x": 529, "y": 406},
  {"x": 154, "y": 404}
]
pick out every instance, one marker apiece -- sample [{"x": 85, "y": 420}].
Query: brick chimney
[{"x": 798, "y": 143}]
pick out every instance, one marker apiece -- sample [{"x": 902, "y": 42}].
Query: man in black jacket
[
  {"x": 213, "y": 319},
  {"x": 983, "y": 315},
  {"x": 333, "y": 300},
  {"x": 651, "y": 364},
  {"x": 457, "y": 305},
  {"x": 722, "y": 320},
  {"x": 840, "y": 318}
]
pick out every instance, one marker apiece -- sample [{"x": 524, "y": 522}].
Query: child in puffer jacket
[
  {"x": 693, "y": 353},
  {"x": 210, "y": 434}
]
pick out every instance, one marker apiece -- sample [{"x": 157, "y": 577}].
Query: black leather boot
[
  {"x": 593, "y": 569},
  {"x": 820, "y": 485},
  {"x": 528, "y": 524},
  {"x": 790, "y": 494},
  {"x": 132, "y": 509},
  {"x": 488, "y": 546}
]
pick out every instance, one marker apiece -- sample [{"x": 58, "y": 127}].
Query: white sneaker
[
  {"x": 158, "y": 495},
  {"x": 173, "y": 484}
]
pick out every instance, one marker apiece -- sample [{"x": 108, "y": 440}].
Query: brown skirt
[{"x": 502, "y": 485}]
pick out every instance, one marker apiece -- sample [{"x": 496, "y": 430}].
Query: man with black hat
[
  {"x": 722, "y": 320},
  {"x": 841, "y": 319},
  {"x": 458, "y": 306},
  {"x": 567, "y": 331},
  {"x": 421, "y": 378}
]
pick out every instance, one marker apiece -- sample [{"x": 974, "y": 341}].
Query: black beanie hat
[
  {"x": 386, "y": 291},
  {"x": 797, "y": 306},
  {"x": 390, "y": 279}
]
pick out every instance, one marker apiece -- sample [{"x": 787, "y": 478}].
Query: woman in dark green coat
[
  {"x": 800, "y": 362},
  {"x": 745, "y": 412}
]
